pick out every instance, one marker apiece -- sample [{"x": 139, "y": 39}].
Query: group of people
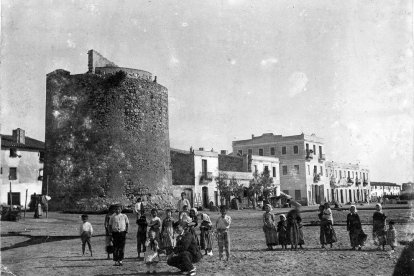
[{"x": 289, "y": 228}]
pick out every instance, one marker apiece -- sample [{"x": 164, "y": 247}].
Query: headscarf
[
  {"x": 270, "y": 206},
  {"x": 282, "y": 215},
  {"x": 380, "y": 206},
  {"x": 354, "y": 207},
  {"x": 195, "y": 211},
  {"x": 206, "y": 218}
]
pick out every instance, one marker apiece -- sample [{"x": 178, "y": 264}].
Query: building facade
[
  {"x": 195, "y": 173},
  {"x": 302, "y": 157},
  {"x": 21, "y": 170},
  {"x": 380, "y": 189},
  {"x": 348, "y": 182}
]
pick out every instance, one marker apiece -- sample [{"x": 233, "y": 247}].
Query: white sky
[{"x": 340, "y": 69}]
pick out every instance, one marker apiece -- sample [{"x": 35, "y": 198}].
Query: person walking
[{"x": 118, "y": 227}]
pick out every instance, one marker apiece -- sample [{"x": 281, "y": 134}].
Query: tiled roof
[{"x": 7, "y": 141}]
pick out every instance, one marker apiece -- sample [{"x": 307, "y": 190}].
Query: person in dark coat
[
  {"x": 353, "y": 225},
  {"x": 186, "y": 251}
]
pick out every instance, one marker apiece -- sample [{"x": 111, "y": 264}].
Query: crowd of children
[{"x": 156, "y": 236}]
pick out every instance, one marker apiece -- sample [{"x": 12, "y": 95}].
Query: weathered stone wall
[
  {"x": 106, "y": 136},
  {"x": 230, "y": 163},
  {"x": 182, "y": 167},
  {"x": 132, "y": 73}
]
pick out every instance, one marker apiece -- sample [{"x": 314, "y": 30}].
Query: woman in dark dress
[
  {"x": 294, "y": 227},
  {"x": 379, "y": 227},
  {"x": 327, "y": 232},
  {"x": 353, "y": 225}
]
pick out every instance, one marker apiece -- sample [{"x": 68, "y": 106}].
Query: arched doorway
[{"x": 205, "y": 197}]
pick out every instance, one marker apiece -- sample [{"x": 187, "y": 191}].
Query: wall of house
[
  {"x": 182, "y": 168},
  {"x": 28, "y": 168},
  {"x": 210, "y": 184}
]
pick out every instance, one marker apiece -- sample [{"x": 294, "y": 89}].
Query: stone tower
[{"x": 106, "y": 133}]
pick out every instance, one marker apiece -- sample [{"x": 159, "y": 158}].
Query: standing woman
[
  {"x": 269, "y": 228},
  {"x": 379, "y": 233},
  {"x": 193, "y": 224},
  {"x": 294, "y": 226},
  {"x": 155, "y": 224},
  {"x": 206, "y": 235},
  {"x": 167, "y": 233},
  {"x": 328, "y": 235},
  {"x": 353, "y": 225}
]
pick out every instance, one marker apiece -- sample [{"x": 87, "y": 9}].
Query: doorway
[{"x": 205, "y": 197}]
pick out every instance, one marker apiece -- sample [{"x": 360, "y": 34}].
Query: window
[
  {"x": 326, "y": 171},
  {"x": 320, "y": 151},
  {"x": 295, "y": 149},
  {"x": 13, "y": 198},
  {"x": 349, "y": 174},
  {"x": 13, "y": 152},
  {"x": 297, "y": 195},
  {"x": 314, "y": 149},
  {"x": 40, "y": 177},
  {"x": 321, "y": 170},
  {"x": 272, "y": 151},
  {"x": 1, "y": 170},
  {"x": 352, "y": 174},
  {"x": 336, "y": 174},
  {"x": 315, "y": 170},
  {"x": 12, "y": 173},
  {"x": 274, "y": 171},
  {"x": 250, "y": 151},
  {"x": 261, "y": 152},
  {"x": 255, "y": 168},
  {"x": 340, "y": 174},
  {"x": 204, "y": 167},
  {"x": 286, "y": 192},
  {"x": 308, "y": 170},
  {"x": 296, "y": 168},
  {"x": 283, "y": 150},
  {"x": 284, "y": 170},
  {"x": 266, "y": 169},
  {"x": 240, "y": 152}
]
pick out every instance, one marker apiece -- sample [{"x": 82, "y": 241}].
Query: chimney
[
  {"x": 201, "y": 149},
  {"x": 18, "y": 136},
  {"x": 223, "y": 152},
  {"x": 252, "y": 136}
]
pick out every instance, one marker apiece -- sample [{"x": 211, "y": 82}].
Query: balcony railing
[
  {"x": 206, "y": 177},
  {"x": 365, "y": 182},
  {"x": 357, "y": 182},
  {"x": 322, "y": 157},
  {"x": 350, "y": 180},
  {"x": 309, "y": 155}
]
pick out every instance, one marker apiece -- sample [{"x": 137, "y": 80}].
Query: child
[
  {"x": 269, "y": 227},
  {"x": 282, "y": 231},
  {"x": 151, "y": 254},
  {"x": 86, "y": 232},
  {"x": 167, "y": 233},
  {"x": 109, "y": 247},
  {"x": 222, "y": 228},
  {"x": 184, "y": 216},
  {"x": 155, "y": 224},
  {"x": 141, "y": 234},
  {"x": 392, "y": 235},
  {"x": 206, "y": 236}
]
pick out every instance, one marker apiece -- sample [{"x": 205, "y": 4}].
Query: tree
[
  {"x": 227, "y": 187},
  {"x": 260, "y": 184}
]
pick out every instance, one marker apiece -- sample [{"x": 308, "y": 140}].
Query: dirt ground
[{"x": 52, "y": 247}]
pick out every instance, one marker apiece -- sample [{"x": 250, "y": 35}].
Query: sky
[{"x": 340, "y": 69}]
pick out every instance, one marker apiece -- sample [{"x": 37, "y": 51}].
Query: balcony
[
  {"x": 316, "y": 178},
  {"x": 357, "y": 182},
  {"x": 309, "y": 155},
  {"x": 321, "y": 158},
  {"x": 350, "y": 181},
  {"x": 206, "y": 178},
  {"x": 365, "y": 182}
]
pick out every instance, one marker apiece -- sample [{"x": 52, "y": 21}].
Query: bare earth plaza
[{"x": 213, "y": 138}]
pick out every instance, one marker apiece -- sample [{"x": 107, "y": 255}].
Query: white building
[
  {"x": 21, "y": 167},
  {"x": 379, "y": 189}
]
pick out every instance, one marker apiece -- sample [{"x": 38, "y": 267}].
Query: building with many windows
[
  {"x": 195, "y": 172},
  {"x": 21, "y": 167},
  {"x": 380, "y": 189},
  {"x": 348, "y": 182},
  {"x": 302, "y": 163}
]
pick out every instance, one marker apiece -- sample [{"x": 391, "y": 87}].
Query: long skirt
[
  {"x": 270, "y": 235},
  {"x": 295, "y": 234},
  {"x": 379, "y": 234},
  {"x": 206, "y": 240},
  {"x": 167, "y": 242},
  {"x": 327, "y": 234},
  {"x": 283, "y": 237},
  {"x": 357, "y": 237}
]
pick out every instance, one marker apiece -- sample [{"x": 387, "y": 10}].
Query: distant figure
[
  {"x": 327, "y": 232},
  {"x": 167, "y": 233},
  {"x": 109, "y": 247},
  {"x": 191, "y": 226},
  {"x": 139, "y": 208},
  {"x": 269, "y": 228},
  {"x": 223, "y": 235},
  {"x": 378, "y": 227},
  {"x": 183, "y": 202},
  {"x": 353, "y": 225},
  {"x": 392, "y": 235},
  {"x": 294, "y": 226},
  {"x": 282, "y": 231},
  {"x": 151, "y": 254},
  {"x": 86, "y": 232},
  {"x": 118, "y": 227},
  {"x": 155, "y": 224},
  {"x": 206, "y": 235},
  {"x": 184, "y": 216},
  {"x": 141, "y": 234}
]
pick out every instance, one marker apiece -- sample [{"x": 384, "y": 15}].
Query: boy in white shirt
[
  {"x": 222, "y": 228},
  {"x": 86, "y": 232}
]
